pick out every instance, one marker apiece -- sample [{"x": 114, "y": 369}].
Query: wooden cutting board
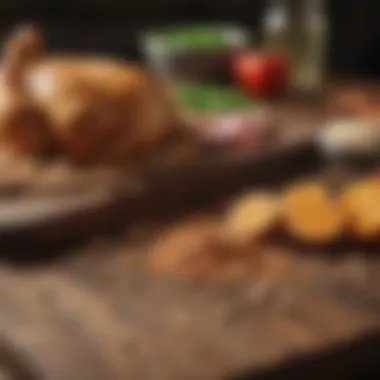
[{"x": 33, "y": 196}]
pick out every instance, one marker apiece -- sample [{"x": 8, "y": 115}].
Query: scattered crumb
[
  {"x": 192, "y": 248},
  {"x": 181, "y": 323}
]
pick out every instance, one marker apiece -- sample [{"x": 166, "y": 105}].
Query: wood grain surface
[
  {"x": 101, "y": 314},
  {"x": 96, "y": 312}
]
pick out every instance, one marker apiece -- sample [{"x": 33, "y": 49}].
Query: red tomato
[{"x": 261, "y": 73}]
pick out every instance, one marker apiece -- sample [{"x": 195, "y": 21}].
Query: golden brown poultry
[{"x": 91, "y": 109}]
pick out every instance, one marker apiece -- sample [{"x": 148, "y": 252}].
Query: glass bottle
[
  {"x": 310, "y": 43},
  {"x": 275, "y": 26},
  {"x": 277, "y": 32}
]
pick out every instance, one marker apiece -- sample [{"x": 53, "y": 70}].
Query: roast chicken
[{"x": 89, "y": 109}]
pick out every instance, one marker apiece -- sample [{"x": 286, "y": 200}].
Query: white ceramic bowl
[{"x": 350, "y": 136}]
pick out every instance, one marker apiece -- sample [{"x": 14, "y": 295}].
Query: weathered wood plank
[
  {"x": 142, "y": 325},
  {"x": 100, "y": 314}
]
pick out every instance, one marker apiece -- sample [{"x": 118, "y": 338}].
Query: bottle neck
[
  {"x": 314, "y": 9},
  {"x": 276, "y": 15},
  {"x": 277, "y": 7}
]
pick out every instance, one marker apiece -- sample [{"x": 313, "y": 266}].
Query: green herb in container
[
  {"x": 212, "y": 98},
  {"x": 194, "y": 51},
  {"x": 224, "y": 117}
]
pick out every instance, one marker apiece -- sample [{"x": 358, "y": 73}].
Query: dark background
[{"x": 114, "y": 25}]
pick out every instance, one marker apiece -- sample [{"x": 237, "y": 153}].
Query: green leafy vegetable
[
  {"x": 193, "y": 36},
  {"x": 201, "y": 97}
]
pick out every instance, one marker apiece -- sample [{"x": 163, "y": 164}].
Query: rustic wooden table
[
  {"x": 99, "y": 315},
  {"x": 96, "y": 313}
]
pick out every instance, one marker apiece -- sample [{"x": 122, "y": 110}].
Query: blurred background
[
  {"x": 350, "y": 45},
  {"x": 113, "y": 25}
]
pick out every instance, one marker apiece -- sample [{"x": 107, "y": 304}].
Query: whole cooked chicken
[{"x": 90, "y": 109}]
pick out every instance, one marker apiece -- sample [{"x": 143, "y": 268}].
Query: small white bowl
[{"x": 357, "y": 136}]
